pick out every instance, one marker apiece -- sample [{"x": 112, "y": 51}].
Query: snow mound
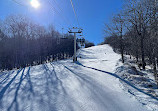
[{"x": 142, "y": 84}]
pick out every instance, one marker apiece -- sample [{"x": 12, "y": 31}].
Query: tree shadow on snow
[
  {"x": 15, "y": 102},
  {"x": 18, "y": 90},
  {"x": 54, "y": 88},
  {"x": 7, "y": 86},
  {"x": 6, "y": 78},
  {"x": 46, "y": 89}
]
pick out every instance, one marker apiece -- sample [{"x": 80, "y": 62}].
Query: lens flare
[{"x": 35, "y": 3}]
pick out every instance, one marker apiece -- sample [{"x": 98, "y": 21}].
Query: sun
[{"x": 35, "y": 3}]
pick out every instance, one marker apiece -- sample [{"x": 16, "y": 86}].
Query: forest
[
  {"x": 25, "y": 43},
  {"x": 134, "y": 31}
]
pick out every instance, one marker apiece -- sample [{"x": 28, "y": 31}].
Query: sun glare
[{"x": 35, "y": 3}]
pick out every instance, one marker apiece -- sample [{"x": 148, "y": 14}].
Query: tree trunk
[
  {"x": 155, "y": 71},
  {"x": 121, "y": 46},
  {"x": 142, "y": 53}
]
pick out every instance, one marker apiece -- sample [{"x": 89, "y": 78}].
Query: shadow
[
  {"x": 28, "y": 78},
  {"x": 43, "y": 87},
  {"x": 59, "y": 79},
  {"x": 2, "y": 74},
  {"x": 85, "y": 51},
  {"x": 7, "y": 86},
  {"x": 116, "y": 76},
  {"x": 104, "y": 60},
  {"x": 29, "y": 85},
  {"x": 55, "y": 74},
  {"x": 54, "y": 88},
  {"x": 83, "y": 56},
  {"x": 94, "y": 88},
  {"x": 16, "y": 94},
  {"x": 47, "y": 90},
  {"x": 135, "y": 76},
  {"x": 83, "y": 78},
  {"x": 6, "y": 78}
]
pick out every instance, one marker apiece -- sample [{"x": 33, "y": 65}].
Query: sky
[{"x": 91, "y": 14}]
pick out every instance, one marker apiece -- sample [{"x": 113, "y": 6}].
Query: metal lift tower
[{"x": 75, "y": 30}]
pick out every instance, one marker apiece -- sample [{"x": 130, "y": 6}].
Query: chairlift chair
[{"x": 82, "y": 42}]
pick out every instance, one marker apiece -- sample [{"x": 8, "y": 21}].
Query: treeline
[
  {"x": 134, "y": 31},
  {"x": 89, "y": 44},
  {"x": 24, "y": 43}
]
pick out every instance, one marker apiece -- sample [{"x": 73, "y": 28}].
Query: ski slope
[{"x": 66, "y": 86}]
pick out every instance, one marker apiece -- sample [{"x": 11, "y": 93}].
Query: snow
[
  {"x": 88, "y": 85},
  {"x": 142, "y": 81}
]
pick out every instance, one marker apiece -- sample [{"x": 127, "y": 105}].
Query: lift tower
[{"x": 75, "y": 30}]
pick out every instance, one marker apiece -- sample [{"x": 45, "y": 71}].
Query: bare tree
[
  {"x": 137, "y": 15},
  {"x": 140, "y": 38},
  {"x": 116, "y": 29}
]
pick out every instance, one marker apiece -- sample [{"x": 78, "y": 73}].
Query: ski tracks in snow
[
  {"x": 59, "y": 86},
  {"x": 67, "y": 86}
]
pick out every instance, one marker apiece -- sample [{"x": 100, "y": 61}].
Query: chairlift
[
  {"x": 64, "y": 37},
  {"x": 79, "y": 31},
  {"x": 78, "y": 40},
  {"x": 82, "y": 42}
]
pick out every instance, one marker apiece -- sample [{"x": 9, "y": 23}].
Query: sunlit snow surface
[{"x": 88, "y": 85}]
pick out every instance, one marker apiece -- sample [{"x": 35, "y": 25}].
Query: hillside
[{"x": 88, "y": 85}]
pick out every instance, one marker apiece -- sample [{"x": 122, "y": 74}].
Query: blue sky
[{"x": 92, "y": 14}]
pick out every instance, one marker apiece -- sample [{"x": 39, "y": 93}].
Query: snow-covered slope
[{"x": 88, "y": 85}]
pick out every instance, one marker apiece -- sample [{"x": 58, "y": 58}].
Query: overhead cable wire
[
  {"x": 60, "y": 10},
  {"x": 18, "y": 3},
  {"x": 74, "y": 12},
  {"x": 54, "y": 9}
]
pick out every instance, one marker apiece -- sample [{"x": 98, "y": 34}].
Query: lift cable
[
  {"x": 61, "y": 10},
  {"x": 74, "y": 12},
  {"x": 18, "y": 3},
  {"x": 61, "y": 15}
]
